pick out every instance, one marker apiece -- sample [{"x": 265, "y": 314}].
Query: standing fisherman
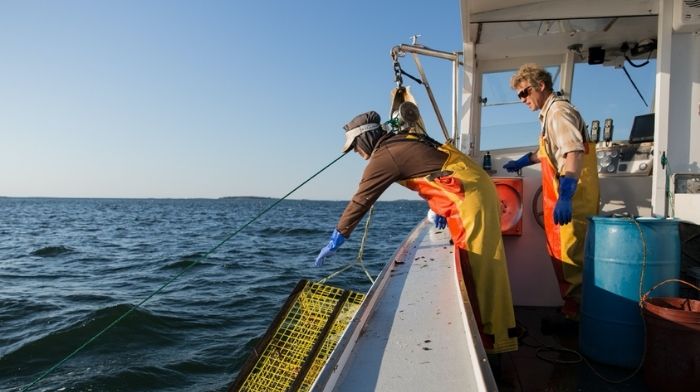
[{"x": 570, "y": 189}]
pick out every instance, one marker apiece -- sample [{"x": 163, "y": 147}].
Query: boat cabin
[{"x": 632, "y": 69}]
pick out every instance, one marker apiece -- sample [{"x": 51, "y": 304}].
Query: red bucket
[{"x": 672, "y": 361}]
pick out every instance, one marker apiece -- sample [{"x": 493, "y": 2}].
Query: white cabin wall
[
  {"x": 677, "y": 108},
  {"x": 468, "y": 138},
  {"x": 694, "y": 145},
  {"x": 684, "y": 122},
  {"x": 662, "y": 103}
]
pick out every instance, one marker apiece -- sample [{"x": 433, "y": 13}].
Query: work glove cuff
[
  {"x": 525, "y": 160},
  {"x": 337, "y": 239},
  {"x": 567, "y": 187},
  {"x": 516, "y": 165}
]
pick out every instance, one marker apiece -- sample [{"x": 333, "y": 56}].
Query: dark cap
[{"x": 358, "y": 125}]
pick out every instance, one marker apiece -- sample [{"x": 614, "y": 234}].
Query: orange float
[{"x": 510, "y": 193}]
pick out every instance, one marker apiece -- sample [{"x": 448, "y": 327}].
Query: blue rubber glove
[
  {"x": 563, "y": 209},
  {"x": 440, "y": 222},
  {"x": 513, "y": 166},
  {"x": 336, "y": 241}
]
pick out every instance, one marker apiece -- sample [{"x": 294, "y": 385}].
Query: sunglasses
[{"x": 524, "y": 93}]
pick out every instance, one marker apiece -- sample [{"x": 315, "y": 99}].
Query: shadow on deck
[{"x": 532, "y": 368}]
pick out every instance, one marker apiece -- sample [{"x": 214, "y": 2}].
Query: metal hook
[{"x": 414, "y": 39}]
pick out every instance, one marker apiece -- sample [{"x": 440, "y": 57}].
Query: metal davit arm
[
  {"x": 415, "y": 50},
  {"x": 420, "y": 49}
]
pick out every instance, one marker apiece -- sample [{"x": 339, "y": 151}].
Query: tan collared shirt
[{"x": 564, "y": 129}]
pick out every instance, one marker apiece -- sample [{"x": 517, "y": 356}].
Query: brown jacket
[{"x": 396, "y": 158}]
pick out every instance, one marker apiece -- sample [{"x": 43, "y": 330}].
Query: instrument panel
[{"x": 624, "y": 159}]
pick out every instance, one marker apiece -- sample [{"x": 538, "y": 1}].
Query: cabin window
[
  {"x": 505, "y": 121},
  {"x": 601, "y": 92}
]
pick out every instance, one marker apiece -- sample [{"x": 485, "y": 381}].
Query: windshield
[
  {"x": 505, "y": 121},
  {"x": 598, "y": 92}
]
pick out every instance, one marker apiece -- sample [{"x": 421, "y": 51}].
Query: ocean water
[{"x": 70, "y": 267}]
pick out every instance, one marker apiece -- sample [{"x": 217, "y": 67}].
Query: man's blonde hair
[{"x": 533, "y": 74}]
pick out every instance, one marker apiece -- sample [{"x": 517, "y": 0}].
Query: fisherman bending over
[{"x": 455, "y": 188}]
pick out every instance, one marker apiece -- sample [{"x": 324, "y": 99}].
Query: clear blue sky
[{"x": 201, "y": 98}]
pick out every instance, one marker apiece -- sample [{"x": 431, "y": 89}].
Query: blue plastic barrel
[{"x": 616, "y": 260}]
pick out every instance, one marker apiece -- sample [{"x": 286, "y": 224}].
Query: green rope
[
  {"x": 641, "y": 313},
  {"x": 644, "y": 329},
  {"x": 360, "y": 253},
  {"x": 195, "y": 262},
  {"x": 542, "y": 350}
]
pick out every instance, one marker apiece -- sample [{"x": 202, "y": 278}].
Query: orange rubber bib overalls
[
  {"x": 565, "y": 244},
  {"x": 464, "y": 194}
]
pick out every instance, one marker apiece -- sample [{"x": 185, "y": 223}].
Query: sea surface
[{"x": 71, "y": 267}]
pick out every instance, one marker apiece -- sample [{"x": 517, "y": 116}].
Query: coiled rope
[
  {"x": 543, "y": 351},
  {"x": 174, "y": 278},
  {"x": 641, "y": 313}
]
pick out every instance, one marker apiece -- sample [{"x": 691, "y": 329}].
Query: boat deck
[
  {"x": 417, "y": 335},
  {"x": 531, "y": 370}
]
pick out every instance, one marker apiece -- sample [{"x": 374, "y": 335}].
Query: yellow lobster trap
[{"x": 300, "y": 339}]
